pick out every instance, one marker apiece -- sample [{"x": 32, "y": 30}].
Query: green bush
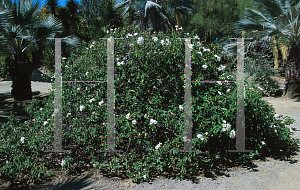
[
  {"x": 149, "y": 118},
  {"x": 3, "y": 67},
  {"x": 258, "y": 71}
]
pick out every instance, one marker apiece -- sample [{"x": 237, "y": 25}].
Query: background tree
[
  {"x": 180, "y": 7},
  {"x": 145, "y": 14},
  {"x": 21, "y": 31},
  {"x": 216, "y": 18},
  {"x": 280, "y": 19},
  {"x": 52, "y": 4},
  {"x": 104, "y": 17}
]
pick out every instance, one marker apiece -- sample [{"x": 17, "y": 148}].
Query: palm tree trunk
[
  {"x": 178, "y": 18},
  {"x": 20, "y": 71},
  {"x": 275, "y": 52},
  {"x": 292, "y": 77}
]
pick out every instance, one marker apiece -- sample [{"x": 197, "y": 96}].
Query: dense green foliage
[{"x": 148, "y": 115}]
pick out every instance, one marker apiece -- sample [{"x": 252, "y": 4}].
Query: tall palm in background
[
  {"x": 145, "y": 14},
  {"x": 20, "y": 32},
  {"x": 180, "y": 7},
  {"x": 280, "y": 19}
]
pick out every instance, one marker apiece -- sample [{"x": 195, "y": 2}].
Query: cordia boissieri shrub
[{"x": 149, "y": 114}]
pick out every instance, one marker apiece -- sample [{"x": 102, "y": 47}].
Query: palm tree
[
  {"x": 146, "y": 14},
  {"x": 111, "y": 15},
  {"x": 72, "y": 9},
  {"x": 280, "y": 19},
  {"x": 52, "y": 4},
  {"x": 20, "y": 32},
  {"x": 179, "y": 7}
]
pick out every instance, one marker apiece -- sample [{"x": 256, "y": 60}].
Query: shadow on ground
[{"x": 10, "y": 106}]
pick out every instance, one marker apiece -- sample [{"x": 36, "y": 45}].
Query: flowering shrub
[
  {"x": 258, "y": 71},
  {"x": 149, "y": 114}
]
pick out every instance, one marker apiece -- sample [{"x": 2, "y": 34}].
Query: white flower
[
  {"x": 100, "y": 102},
  {"x": 120, "y": 63},
  {"x": 128, "y": 116},
  {"x": 81, "y": 107},
  {"x": 204, "y": 66},
  {"x": 263, "y": 142},
  {"x": 153, "y": 121},
  {"x": 224, "y": 121},
  {"x": 221, "y": 68},
  {"x": 200, "y": 137},
  {"x": 22, "y": 139},
  {"x": 94, "y": 165},
  {"x": 68, "y": 114},
  {"x": 41, "y": 109},
  {"x": 200, "y": 53},
  {"x": 64, "y": 58},
  {"x": 107, "y": 31},
  {"x": 158, "y": 145},
  {"x": 260, "y": 88},
  {"x": 198, "y": 43},
  {"x": 135, "y": 34},
  {"x": 134, "y": 122},
  {"x": 206, "y": 133},
  {"x": 162, "y": 42},
  {"x": 45, "y": 123},
  {"x": 130, "y": 45},
  {"x": 196, "y": 36},
  {"x": 91, "y": 100},
  {"x": 219, "y": 82},
  {"x": 291, "y": 130},
  {"x": 176, "y": 26},
  {"x": 78, "y": 88},
  {"x": 155, "y": 38},
  {"x": 48, "y": 119},
  {"x": 206, "y": 49},
  {"x": 180, "y": 28},
  {"x": 86, "y": 73},
  {"x": 220, "y": 93},
  {"x": 251, "y": 89},
  {"x": 186, "y": 139},
  {"x": 91, "y": 46},
  {"x": 6, "y": 162},
  {"x": 145, "y": 116},
  {"x": 187, "y": 33},
  {"x": 275, "y": 131},
  {"x": 140, "y": 41},
  {"x": 226, "y": 127},
  {"x": 93, "y": 42},
  {"x": 228, "y": 90},
  {"x": 219, "y": 58},
  {"x": 191, "y": 46},
  {"x": 180, "y": 107},
  {"x": 276, "y": 116},
  {"x": 62, "y": 162},
  {"x": 168, "y": 42},
  {"x": 144, "y": 176},
  {"x": 232, "y": 134}
]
